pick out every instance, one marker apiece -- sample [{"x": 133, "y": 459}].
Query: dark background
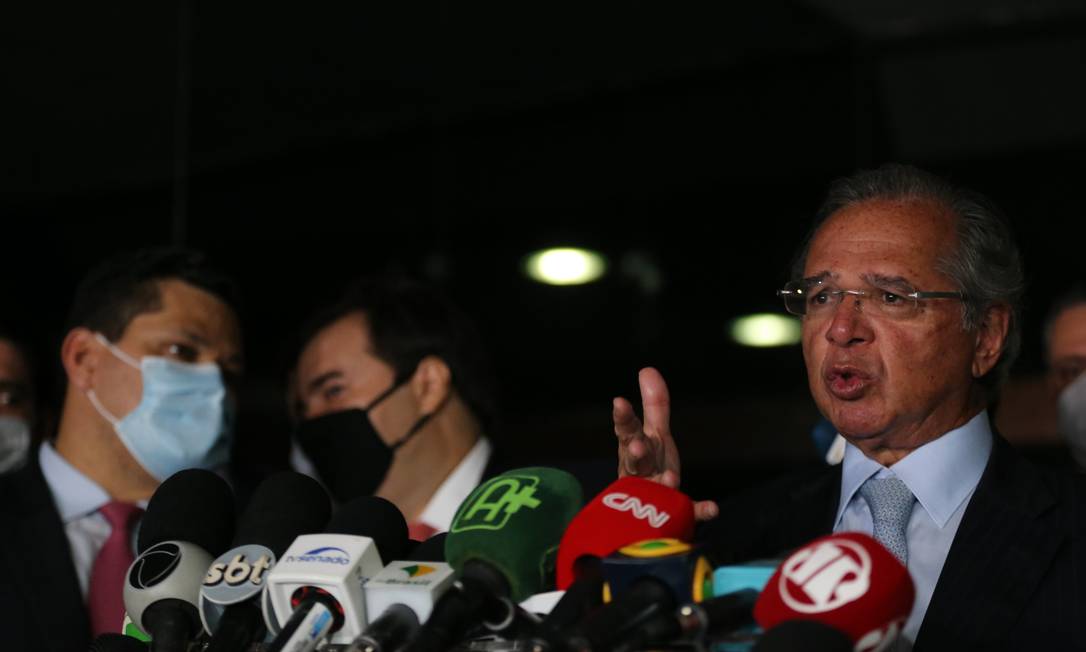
[{"x": 305, "y": 145}]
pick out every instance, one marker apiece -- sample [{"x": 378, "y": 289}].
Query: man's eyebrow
[
  {"x": 819, "y": 277},
  {"x": 883, "y": 280},
  {"x": 316, "y": 383}
]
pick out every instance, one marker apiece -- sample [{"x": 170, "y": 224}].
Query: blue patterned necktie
[{"x": 891, "y": 504}]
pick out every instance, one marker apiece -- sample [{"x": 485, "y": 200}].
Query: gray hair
[{"x": 986, "y": 265}]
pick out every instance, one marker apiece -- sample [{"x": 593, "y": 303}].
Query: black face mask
[{"x": 346, "y": 450}]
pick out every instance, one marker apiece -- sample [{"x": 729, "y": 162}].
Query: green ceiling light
[
  {"x": 565, "y": 266},
  {"x": 765, "y": 330}
]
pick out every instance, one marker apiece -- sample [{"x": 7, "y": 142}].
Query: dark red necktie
[{"x": 105, "y": 599}]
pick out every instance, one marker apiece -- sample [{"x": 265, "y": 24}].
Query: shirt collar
[
  {"x": 74, "y": 494},
  {"x": 941, "y": 474},
  {"x": 439, "y": 512}
]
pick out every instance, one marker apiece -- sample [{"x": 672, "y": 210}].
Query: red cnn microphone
[
  {"x": 631, "y": 509},
  {"x": 848, "y": 581}
]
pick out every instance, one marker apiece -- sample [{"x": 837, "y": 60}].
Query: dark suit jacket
[
  {"x": 1015, "y": 576},
  {"x": 41, "y": 606}
]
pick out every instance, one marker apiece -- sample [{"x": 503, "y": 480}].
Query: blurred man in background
[
  {"x": 19, "y": 410},
  {"x": 151, "y": 355},
  {"x": 393, "y": 396},
  {"x": 1065, "y": 352}
]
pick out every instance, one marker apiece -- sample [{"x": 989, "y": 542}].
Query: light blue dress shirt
[{"x": 942, "y": 474}]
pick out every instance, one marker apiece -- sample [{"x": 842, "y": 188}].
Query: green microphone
[{"x": 503, "y": 543}]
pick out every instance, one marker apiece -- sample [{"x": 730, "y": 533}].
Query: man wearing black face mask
[{"x": 393, "y": 397}]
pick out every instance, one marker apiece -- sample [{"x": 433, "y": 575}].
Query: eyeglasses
[{"x": 817, "y": 298}]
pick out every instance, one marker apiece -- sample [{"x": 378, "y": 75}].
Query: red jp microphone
[
  {"x": 848, "y": 581},
  {"x": 631, "y": 509}
]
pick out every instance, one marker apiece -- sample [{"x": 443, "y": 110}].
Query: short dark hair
[
  {"x": 986, "y": 265},
  {"x": 1073, "y": 296},
  {"x": 126, "y": 285},
  {"x": 409, "y": 321}
]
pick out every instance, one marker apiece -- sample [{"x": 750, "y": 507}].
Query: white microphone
[
  {"x": 315, "y": 592},
  {"x": 398, "y": 599}
]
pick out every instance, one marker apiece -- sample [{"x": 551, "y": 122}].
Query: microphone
[
  {"x": 402, "y": 595},
  {"x": 501, "y": 544},
  {"x": 316, "y": 589},
  {"x": 189, "y": 518},
  {"x": 648, "y": 581},
  {"x": 848, "y": 581},
  {"x": 806, "y": 635},
  {"x": 631, "y": 509},
  {"x": 285, "y": 505},
  {"x": 432, "y": 549}
]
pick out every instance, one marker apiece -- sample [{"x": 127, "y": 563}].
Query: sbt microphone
[
  {"x": 501, "y": 543},
  {"x": 316, "y": 589},
  {"x": 285, "y": 505},
  {"x": 848, "y": 581},
  {"x": 189, "y": 518}
]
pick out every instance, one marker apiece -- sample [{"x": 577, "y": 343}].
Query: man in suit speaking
[{"x": 909, "y": 290}]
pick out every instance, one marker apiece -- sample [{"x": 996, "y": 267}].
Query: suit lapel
[
  {"x": 41, "y": 566},
  {"x": 1005, "y": 543}
]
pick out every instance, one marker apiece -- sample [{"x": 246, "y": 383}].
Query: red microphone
[
  {"x": 631, "y": 509},
  {"x": 848, "y": 581}
]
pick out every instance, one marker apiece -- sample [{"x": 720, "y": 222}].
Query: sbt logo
[
  {"x": 492, "y": 504},
  {"x": 238, "y": 570},
  {"x": 627, "y": 503}
]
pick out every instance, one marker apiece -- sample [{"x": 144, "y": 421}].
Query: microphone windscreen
[
  {"x": 432, "y": 549},
  {"x": 631, "y": 509},
  {"x": 848, "y": 581},
  {"x": 283, "y": 506},
  {"x": 376, "y": 518},
  {"x": 514, "y": 522},
  {"x": 806, "y": 635},
  {"x": 193, "y": 505}
]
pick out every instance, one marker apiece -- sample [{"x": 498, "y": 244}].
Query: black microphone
[
  {"x": 432, "y": 549},
  {"x": 285, "y": 505},
  {"x": 805, "y": 636},
  {"x": 189, "y": 519},
  {"x": 117, "y": 643}
]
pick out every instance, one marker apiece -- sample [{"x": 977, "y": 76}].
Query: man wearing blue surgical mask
[{"x": 151, "y": 354}]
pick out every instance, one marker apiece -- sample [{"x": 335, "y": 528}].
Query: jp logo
[
  {"x": 825, "y": 576},
  {"x": 494, "y": 502}
]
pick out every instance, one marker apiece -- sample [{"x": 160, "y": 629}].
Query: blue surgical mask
[{"x": 182, "y": 420}]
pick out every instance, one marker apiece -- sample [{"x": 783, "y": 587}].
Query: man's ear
[
  {"x": 80, "y": 354},
  {"x": 991, "y": 339},
  {"x": 431, "y": 384}
]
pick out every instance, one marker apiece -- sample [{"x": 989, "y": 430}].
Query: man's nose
[{"x": 848, "y": 324}]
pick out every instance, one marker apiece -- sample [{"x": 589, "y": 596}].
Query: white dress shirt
[
  {"x": 942, "y": 474},
  {"x": 439, "y": 512},
  {"x": 78, "y": 499}
]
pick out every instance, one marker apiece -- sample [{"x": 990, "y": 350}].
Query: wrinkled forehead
[{"x": 896, "y": 238}]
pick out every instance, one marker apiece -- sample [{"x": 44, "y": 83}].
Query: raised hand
[{"x": 648, "y": 449}]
